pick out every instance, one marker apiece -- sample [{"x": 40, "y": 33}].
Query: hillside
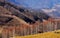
[
  {"x": 27, "y": 13},
  {"x": 21, "y": 21},
  {"x": 4, "y": 11}
]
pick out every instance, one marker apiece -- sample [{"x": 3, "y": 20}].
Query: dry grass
[
  {"x": 4, "y": 11},
  {"x": 54, "y": 34}
]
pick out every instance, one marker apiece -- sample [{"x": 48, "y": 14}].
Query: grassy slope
[
  {"x": 4, "y": 11},
  {"x": 54, "y": 34}
]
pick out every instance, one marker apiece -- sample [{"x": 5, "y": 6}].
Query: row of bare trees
[{"x": 10, "y": 31}]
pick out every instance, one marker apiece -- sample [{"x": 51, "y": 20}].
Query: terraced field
[{"x": 53, "y": 34}]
